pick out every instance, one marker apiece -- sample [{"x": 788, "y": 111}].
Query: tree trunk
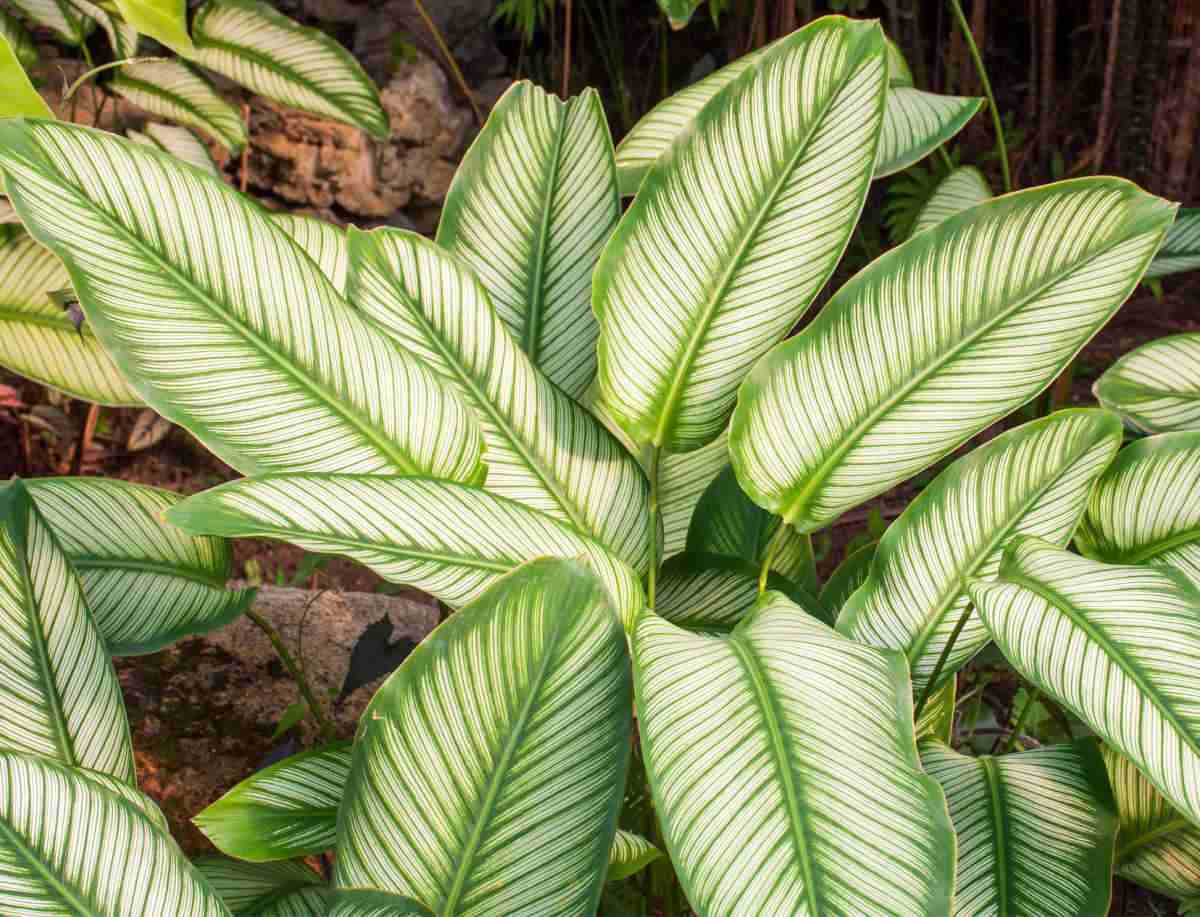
[
  {"x": 1183, "y": 138},
  {"x": 1046, "y": 81}
]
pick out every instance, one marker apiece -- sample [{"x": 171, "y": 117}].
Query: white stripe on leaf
[
  {"x": 266, "y": 889},
  {"x": 180, "y": 142},
  {"x": 1181, "y": 248},
  {"x": 1157, "y": 386},
  {"x": 173, "y": 90},
  {"x": 960, "y": 190}
]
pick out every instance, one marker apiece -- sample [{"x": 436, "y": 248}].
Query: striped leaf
[
  {"x": 19, "y": 39},
  {"x": 226, "y": 327},
  {"x": 915, "y": 123},
  {"x": 541, "y": 448},
  {"x": 529, "y": 210},
  {"x": 1092, "y": 636},
  {"x": 711, "y": 593},
  {"x": 180, "y": 142},
  {"x": 1035, "y": 830},
  {"x": 1144, "y": 509},
  {"x": 937, "y": 716},
  {"x": 678, "y": 12},
  {"x": 20, "y": 99},
  {"x": 489, "y": 768},
  {"x": 851, "y": 573},
  {"x": 173, "y": 90},
  {"x": 775, "y": 170},
  {"x": 266, "y": 889},
  {"x": 452, "y": 541},
  {"x": 59, "y": 695},
  {"x": 325, "y": 243},
  {"x": 728, "y": 523},
  {"x": 1033, "y": 480},
  {"x": 122, "y": 37},
  {"x": 682, "y": 479},
  {"x": 286, "y": 810},
  {"x": 147, "y": 584},
  {"x": 38, "y": 339},
  {"x": 163, "y": 20},
  {"x": 964, "y": 349},
  {"x": 276, "y": 57},
  {"x": 361, "y": 902},
  {"x": 811, "y": 765},
  {"x": 1157, "y": 847},
  {"x": 1181, "y": 248},
  {"x": 899, "y": 73},
  {"x": 136, "y": 798},
  {"x": 630, "y": 854},
  {"x": 961, "y": 190},
  {"x": 67, "y": 846},
  {"x": 61, "y": 17},
  {"x": 1157, "y": 386}
]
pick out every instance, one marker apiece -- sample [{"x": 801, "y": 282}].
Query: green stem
[
  {"x": 1001, "y": 147},
  {"x": 652, "y": 522},
  {"x": 949, "y": 163},
  {"x": 769, "y": 556},
  {"x": 1030, "y": 700},
  {"x": 941, "y": 663},
  {"x": 323, "y": 721}
]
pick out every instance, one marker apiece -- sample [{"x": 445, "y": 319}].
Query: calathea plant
[{"x": 619, "y": 689}]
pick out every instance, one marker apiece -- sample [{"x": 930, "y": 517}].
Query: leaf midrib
[
  {"x": 1151, "y": 549},
  {"x": 18, "y": 316},
  {"x": 531, "y": 332},
  {"x": 1168, "y": 827},
  {"x": 14, "y": 841},
  {"x": 995, "y": 790},
  {"x": 95, "y": 562}
]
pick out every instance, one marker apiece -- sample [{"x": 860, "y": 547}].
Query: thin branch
[
  {"x": 326, "y": 725},
  {"x": 453, "y": 64}
]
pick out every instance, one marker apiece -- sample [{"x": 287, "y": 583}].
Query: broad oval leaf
[
  {"x": 1181, "y": 248},
  {"x": 541, "y": 448},
  {"x": 1116, "y": 645},
  {"x": 276, "y": 57},
  {"x": 1157, "y": 847},
  {"x": 286, "y": 810},
  {"x": 846, "y": 577},
  {"x": 450, "y": 540},
  {"x": 61, "y": 17},
  {"x": 682, "y": 479},
  {"x": 630, "y": 854},
  {"x": 59, "y": 695},
  {"x": 19, "y": 98},
  {"x": 147, "y": 583},
  {"x": 365, "y": 902},
  {"x": 1033, "y": 480},
  {"x": 915, "y": 123},
  {"x": 180, "y": 142},
  {"x": 225, "y": 326},
  {"x": 529, "y": 210},
  {"x": 50, "y": 814},
  {"x": 961, "y": 190},
  {"x": 477, "y": 785},
  {"x": 19, "y": 39},
  {"x": 964, "y": 346},
  {"x": 1157, "y": 386},
  {"x": 286, "y": 889},
  {"x": 1144, "y": 509},
  {"x": 163, "y": 20},
  {"x": 325, "y": 243},
  {"x": 1035, "y": 830},
  {"x": 173, "y": 90},
  {"x": 811, "y": 765},
  {"x": 38, "y": 340},
  {"x": 683, "y": 314}
]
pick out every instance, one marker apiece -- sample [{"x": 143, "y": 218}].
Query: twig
[
  {"x": 453, "y": 64},
  {"x": 566, "y": 79},
  {"x": 323, "y": 721}
]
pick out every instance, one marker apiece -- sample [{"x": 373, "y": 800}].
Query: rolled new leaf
[
  {"x": 1181, "y": 248},
  {"x": 776, "y": 176},
  {"x": 224, "y": 326},
  {"x": 276, "y": 57},
  {"x": 1092, "y": 636},
  {"x": 1035, "y": 829},
  {"x": 477, "y": 786},
  {"x": 961, "y": 190},
  {"x": 1032, "y": 480},
  {"x": 287, "y": 889},
  {"x": 173, "y": 90},
  {"x": 1157, "y": 386},
  {"x": 826, "y": 422},
  {"x": 1144, "y": 509},
  {"x": 59, "y": 695},
  {"x": 529, "y": 210},
  {"x": 180, "y": 142}
]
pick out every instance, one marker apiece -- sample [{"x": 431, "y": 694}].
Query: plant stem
[
  {"x": 289, "y": 663},
  {"x": 652, "y": 523},
  {"x": 773, "y": 547},
  {"x": 1030, "y": 700},
  {"x": 1001, "y": 147},
  {"x": 662, "y": 57},
  {"x": 941, "y": 663},
  {"x": 450, "y": 61},
  {"x": 946, "y": 158}
]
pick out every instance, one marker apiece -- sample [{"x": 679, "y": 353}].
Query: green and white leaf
[
  {"x": 180, "y": 142},
  {"x": 728, "y": 523},
  {"x": 812, "y": 766},
  {"x": 630, "y": 854},
  {"x": 225, "y": 326},
  {"x": 147, "y": 584},
  {"x": 899, "y": 73},
  {"x": 38, "y": 339},
  {"x": 529, "y": 211},
  {"x": 325, "y": 243},
  {"x": 1181, "y": 248},
  {"x": 915, "y": 123},
  {"x": 163, "y": 20},
  {"x": 961, "y": 190},
  {"x": 1035, "y": 829},
  {"x": 1157, "y": 847},
  {"x": 489, "y": 768},
  {"x": 1144, "y": 509},
  {"x": 136, "y": 798},
  {"x": 286, "y": 810},
  {"x": 59, "y": 16},
  {"x": 541, "y": 448},
  {"x": 19, "y": 39},
  {"x": 1116, "y": 645},
  {"x": 683, "y": 315},
  {"x": 682, "y": 479},
  {"x": 362, "y": 902},
  {"x": 20, "y": 99},
  {"x": 937, "y": 716},
  {"x": 1157, "y": 386},
  {"x": 447, "y": 539},
  {"x": 819, "y": 419},
  {"x": 67, "y": 846},
  {"x": 286, "y": 889},
  {"x": 276, "y": 57},
  {"x": 1032, "y": 480},
  {"x": 846, "y": 577},
  {"x": 173, "y": 90},
  {"x": 122, "y": 37},
  {"x": 59, "y": 695}
]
